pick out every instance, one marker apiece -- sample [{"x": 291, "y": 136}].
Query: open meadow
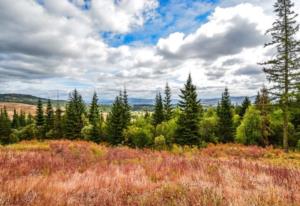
[{"x": 83, "y": 173}]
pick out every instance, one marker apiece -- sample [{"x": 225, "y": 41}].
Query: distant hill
[
  {"x": 138, "y": 103},
  {"x": 26, "y": 99}
]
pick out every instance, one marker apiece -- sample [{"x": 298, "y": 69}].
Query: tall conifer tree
[
  {"x": 225, "y": 118},
  {"x": 126, "y": 110},
  {"x": 245, "y": 104},
  {"x": 49, "y": 117},
  {"x": 5, "y": 127},
  {"x": 158, "y": 115},
  {"x": 167, "y": 103},
  {"x": 115, "y": 124},
  {"x": 39, "y": 117},
  {"x": 15, "y": 124},
  {"x": 187, "y": 132},
  {"x": 75, "y": 111},
  {"x": 283, "y": 70},
  {"x": 94, "y": 119},
  {"x": 58, "y": 123}
]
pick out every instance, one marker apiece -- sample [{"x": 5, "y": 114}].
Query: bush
[
  {"x": 160, "y": 142},
  {"x": 209, "y": 126},
  {"x": 27, "y": 133},
  {"x": 249, "y": 132},
  {"x": 138, "y": 137},
  {"x": 167, "y": 130}
]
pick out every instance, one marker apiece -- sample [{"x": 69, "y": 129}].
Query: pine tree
[
  {"x": 167, "y": 103},
  {"x": 158, "y": 115},
  {"x": 5, "y": 127},
  {"x": 264, "y": 107},
  {"x": 29, "y": 119},
  {"x": 126, "y": 110},
  {"x": 39, "y": 117},
  {"x": 22, "y": 119},
  {"x": 115, "y": 124},
  {"x": 15, "y": 124},
  {"x": 49, "y": 117},
  {"x": 74, "y": 116},
  {"x": 257, "y": 98},
  {"x": 187, "y": 132},
  {"x": 246, "y": 103},
  {"x": 94, "y": 119},
  {"x": 283, "y": 70},
  {"x": 225, "y": 118},
  {"x": 58, "y": 123}
]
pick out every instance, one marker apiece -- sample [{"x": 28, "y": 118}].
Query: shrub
[
  {"x": 160, "y": 142},
  {"x": 249, "y": 132},
  {"x": 138, "y": 136},
  {"x": 167, "y": 129},
  {"x": 209, "y": 126}
]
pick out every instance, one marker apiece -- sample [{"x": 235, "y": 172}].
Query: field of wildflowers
[{"x": 83, "y": 173}]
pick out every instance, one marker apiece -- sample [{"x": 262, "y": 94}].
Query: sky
[{"x": 50, "y": 46}]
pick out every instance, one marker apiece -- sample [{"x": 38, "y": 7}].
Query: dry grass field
[
  {"x": 10, "y": 106},
  {"x": 82, "y": 173}
]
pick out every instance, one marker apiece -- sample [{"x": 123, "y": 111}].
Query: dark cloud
[
  {"x": 250, "y": 70},
  {"x": 241, "y": 34}
]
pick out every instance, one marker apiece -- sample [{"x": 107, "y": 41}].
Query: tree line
[
  {"x": 273, "y": 118},
  {"x": 188, "y": 123}
]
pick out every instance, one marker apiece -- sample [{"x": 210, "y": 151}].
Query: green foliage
[
  {"x": 39, "y": 117},
  {"x": 160, "y": 142},
  {"x": 140, "y": 134},
  {"x": 115, "y": 124},
  {"x": 15, "y": 124},
  {"x": 209, "y": 126},
  {"x": 5, "y": 127},
  {"x": 158, "y": 115},
  {"x": 167, "y": 129},
  {"x": 26, "y": 133},
  {"x": 94, "y": 119},
  {"x": 187, "y": 132},
  {"x": 283, "y": 69},
  {"x": 167, "y": 103},
  {"x": 49, "y": 117},
  {"x": 246, "y": 103},
  {"x": 225, "y": 115},
  {"x": 249, "y": 132},
  {"x": 75, "y": 111},
  {"x": 58, "y": 127}
]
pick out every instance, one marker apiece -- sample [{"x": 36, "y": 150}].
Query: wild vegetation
[{"x": 81, "y": 173}]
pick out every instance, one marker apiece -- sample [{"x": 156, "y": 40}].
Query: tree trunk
[{"x": 286, "y": 85}]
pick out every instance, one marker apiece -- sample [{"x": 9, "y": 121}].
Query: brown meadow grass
[{"x": 82, "y": 173}]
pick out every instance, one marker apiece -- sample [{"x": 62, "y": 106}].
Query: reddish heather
[{"x": 81, "y": 173}]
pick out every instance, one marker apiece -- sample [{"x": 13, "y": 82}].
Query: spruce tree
[
  {"x": 29, "y": 119},
  {"x": 22, "y": 119},
  {"x": 158, "y": 115},
  {"x": 115, "y": 124},
  {"x": 94, "y": 119},
  {"x": 5, "y": 127},
  {"x": 40, "y": 120},
  {"x": 75, "y": 111},
  {"x": 126, "y": 110},
  {"x": 283, "y": 70},
  {"x": 167, "y": 103},
  {"x": 15, "y": 124},
  {"x": 187, "y": 132},
  {"x": 226, "y": 133},
  {"x": 245, "y": 104},
  {"x": 58, "y": 123},
  {"x": 49, "y": 117},
  {"x": 39, "y": 117}
]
